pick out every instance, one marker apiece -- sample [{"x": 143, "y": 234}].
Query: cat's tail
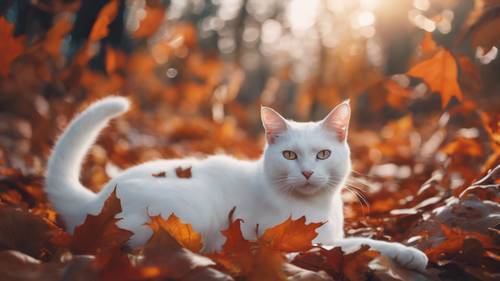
[{"x": 68, "y": 196}]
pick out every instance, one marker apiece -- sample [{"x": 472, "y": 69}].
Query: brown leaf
[
  {"x": 291, "y": 235},
  {"x": 106, "y": 15},
  {"x": 25, "y": 232},
  {"x": 453, "y": 242},
  {"x": 440, "y": 74},
  {"x": 182, "y": 233},
  {"x": 165, "y": 256},
  {"x": 236, "y": 256},
  {"x": 183, "y": 173},
  {"x": 99, "y": 233},
  {"x": 161, "y": 174},
  {"x": 10, "y": 48}
]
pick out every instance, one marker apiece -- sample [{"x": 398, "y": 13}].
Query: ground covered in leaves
[{"x": 425, "y": 150}]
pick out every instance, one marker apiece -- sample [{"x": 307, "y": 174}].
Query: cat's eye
[
  {"x": 290, "y": 155},
  {"x": 323, "y": 154}
]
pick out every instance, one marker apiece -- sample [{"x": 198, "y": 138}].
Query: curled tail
[{"x": 68, "y": 196}]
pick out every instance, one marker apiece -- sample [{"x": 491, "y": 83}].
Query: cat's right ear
[{"x": 273, "y": 122}]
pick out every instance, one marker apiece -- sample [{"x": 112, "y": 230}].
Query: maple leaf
[
  {"x": 291, "y": 235},
  {"x": 99, "y": 233},
  {"x": 182, "y": 233},
  {"x": 440, "y": 74},
  {"x": 236, "y": 255},
  {"x": 165, "y": 256},
  {"x": 106, "y": 15},
  {"x": 183, "y": 173},
  {"x": 453, "y": 242},
  {"x": 11, "y": 47}
]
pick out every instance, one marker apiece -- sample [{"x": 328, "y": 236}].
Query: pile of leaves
[{"x": 425, "y": 149}]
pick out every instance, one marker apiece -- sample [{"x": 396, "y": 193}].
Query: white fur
[{"x": 265, "y": 192}]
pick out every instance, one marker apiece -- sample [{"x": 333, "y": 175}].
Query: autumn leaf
[
  {"x": 106, "y": 15},
  {"x": 10, "y": 48},
  {"x": 291, "y": 235},
  {"x": 453, "y": 242},
  {"x": 25, "y": 232},
  {"x": 440, "y": 74},
  {"x": 236, "y": 255},
  {"x": 99, "y": 233},
  {"x": 161, "y": 174},
  {"x": 166, "y": 257},
  {"x": 55, "y": 36},
  {"x": 182, "y": 233},
  {"x": 268, "y": 265},
  {"x": 183, "y": 173}
]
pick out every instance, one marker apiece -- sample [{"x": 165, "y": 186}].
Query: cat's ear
[
  {"x": 273, "y": 122},
  {"x": 338, "y": 120}
]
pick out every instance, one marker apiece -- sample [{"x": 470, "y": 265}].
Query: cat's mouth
[{"x": 308, "y": 189}]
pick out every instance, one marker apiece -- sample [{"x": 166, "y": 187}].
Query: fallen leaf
[
  {"x": 165, "y": 256},
  {"x": 99, "y": 234},
  {"x": 291, "y": 235},
  {"x": 183, "y": 173},
  {"x": 182, "y": 233},
  {"x": 161, "y": 174},
  {"x": 25, "y": 232}
]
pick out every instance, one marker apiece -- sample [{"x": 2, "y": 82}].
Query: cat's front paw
[{"x": 408, "y": 257}]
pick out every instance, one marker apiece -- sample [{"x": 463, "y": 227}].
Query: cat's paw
[{"x": 408, "y": 257}]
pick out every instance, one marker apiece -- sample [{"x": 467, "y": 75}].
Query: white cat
[{"x": 301, "y": 172}]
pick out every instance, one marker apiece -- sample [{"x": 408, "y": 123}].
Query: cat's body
[{"x": 295, "y": 177}]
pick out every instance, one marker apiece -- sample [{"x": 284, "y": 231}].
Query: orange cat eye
[{"x": 290, "y": 155}]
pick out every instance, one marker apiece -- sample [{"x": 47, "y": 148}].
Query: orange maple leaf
[
  {"x": 106, "y": 15},
  {"x": 291, "y": 235},
  {"x": 99, "y": 233},
  {"x": 236, "y": 255},
  {"x": 453, "y": 241},
  {"x": 440, "y": 74},
  {"x": 11, "y": 47},
  {"x": 183, "y": 233}
]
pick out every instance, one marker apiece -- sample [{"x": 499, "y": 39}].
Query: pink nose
[{"x": 307, "y": 174}]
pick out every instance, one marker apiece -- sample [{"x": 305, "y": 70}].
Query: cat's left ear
[
  {"x": 273, "y": 123},
  {"x": 337, "y": 120}
]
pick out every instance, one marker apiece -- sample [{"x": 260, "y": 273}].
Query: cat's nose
[{"x": 307, "y": 174}]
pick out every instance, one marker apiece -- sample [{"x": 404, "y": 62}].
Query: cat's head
[{"x": 307, "y": 158}]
